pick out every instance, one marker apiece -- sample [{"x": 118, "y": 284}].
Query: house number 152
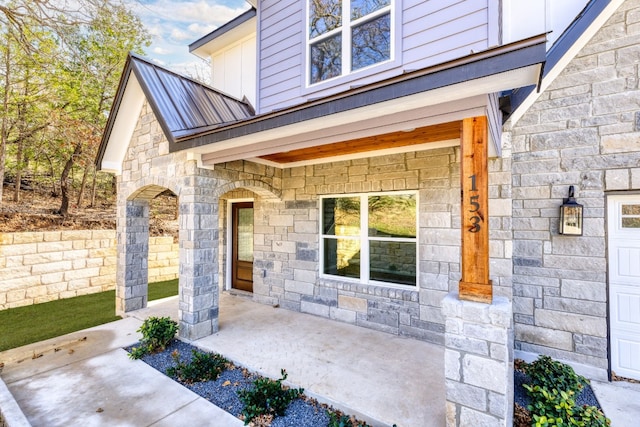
[{"x": 475, "y": 207}]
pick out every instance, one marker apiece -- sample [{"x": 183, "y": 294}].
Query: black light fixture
[{"x": 571, "y": 216}]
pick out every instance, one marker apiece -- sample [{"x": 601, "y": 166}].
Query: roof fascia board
[
  {"x": 124, "y": 124},
  {"x": 594, "y": 16},
  {"x": 503, "y": 59},
  {"x": 113, "y": 113}
]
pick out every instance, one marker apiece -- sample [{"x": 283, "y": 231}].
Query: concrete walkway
[
  {"x": 620, "y": 402},
  {"x": 85, "y": 378}
]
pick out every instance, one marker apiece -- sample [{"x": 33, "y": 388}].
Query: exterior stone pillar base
[
  {"x": 133, "y": 249},
  {"x": 478, "y": 362},
  {"x": 199, "y": 287}
]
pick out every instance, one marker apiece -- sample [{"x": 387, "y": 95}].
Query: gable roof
[
  {"x": 182, "y": 105},
  {"x": 572, "y": 40}
]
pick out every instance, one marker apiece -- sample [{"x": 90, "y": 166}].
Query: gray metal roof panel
[
  {"x": 183, "y": 106},
  {"x": 186, "y": 105}
]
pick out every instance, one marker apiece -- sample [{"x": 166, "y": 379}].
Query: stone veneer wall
[
  {"x": 37, "y": 267},
  {"x": 286, "y": 228},
  {"x": 286, "y": 241},
  {"x": 584, "y": 130}
]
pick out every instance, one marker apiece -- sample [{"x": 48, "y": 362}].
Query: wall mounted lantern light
[{"x": 571, "y": 216}]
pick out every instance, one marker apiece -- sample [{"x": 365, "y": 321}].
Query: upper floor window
[{"x": 347, "y": 35}]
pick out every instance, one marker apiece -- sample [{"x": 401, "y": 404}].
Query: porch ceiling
[{"x": 409, "y": 137}]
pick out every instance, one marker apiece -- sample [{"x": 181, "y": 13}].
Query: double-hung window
[
  {"x": 370, "y": 237},
  {"x": 347, "y": 35}
]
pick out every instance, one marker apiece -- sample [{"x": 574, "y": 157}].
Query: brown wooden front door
[{"x": 242, "y": 246}]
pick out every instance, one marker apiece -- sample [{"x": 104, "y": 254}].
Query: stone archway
[
  {"x": 133, "y": 249},
  {"x": 198, "y": 238}
]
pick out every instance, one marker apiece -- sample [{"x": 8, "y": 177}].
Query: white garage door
[{"x": 624, "y": 284}]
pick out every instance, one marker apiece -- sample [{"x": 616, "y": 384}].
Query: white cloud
[
  {"x": 178, "y": 34},
  {"x": 174, "y": 24},
  {"x": 201, "y": 29},
  {"x": 161, "y": 51}
]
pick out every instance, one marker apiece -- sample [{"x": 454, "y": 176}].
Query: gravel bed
[
  {"x": 223, "y": 391},
  {"x": 586, "y": 396}
]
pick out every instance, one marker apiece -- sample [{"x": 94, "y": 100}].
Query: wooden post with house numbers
[{"x": 474, "y": 176}]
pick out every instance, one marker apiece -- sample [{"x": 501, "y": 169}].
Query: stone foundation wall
[{"x": 44, "y": 266}]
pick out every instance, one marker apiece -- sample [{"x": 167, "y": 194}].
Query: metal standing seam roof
[{"x": 183, "y": 106}]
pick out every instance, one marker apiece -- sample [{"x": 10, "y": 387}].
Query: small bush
[
  {"x": 268, "y": 397},
  {"x": 553, "y": 386},
  {"x": 338, "y": 419},
  {"x": 549, "y": 404},
  {"x": 548, "y": 373},
  {"x": 156, "y": 332},
  {"x": 202, "y": 367}
]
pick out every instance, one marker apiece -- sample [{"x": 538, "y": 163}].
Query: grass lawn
[{"x": 33, "y": 323}]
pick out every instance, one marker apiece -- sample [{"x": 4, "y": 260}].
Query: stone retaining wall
[{"x": 37, "y": 267}]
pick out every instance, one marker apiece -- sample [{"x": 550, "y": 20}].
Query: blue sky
[{"x": 173, "y": 25}]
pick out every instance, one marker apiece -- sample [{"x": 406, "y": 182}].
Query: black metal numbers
[{"x": 476, "y": 219}]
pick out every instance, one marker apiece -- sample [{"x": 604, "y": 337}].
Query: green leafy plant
[
  {"x": 156, "y": 332},
  {"x": 549, "y": 406},
  {"x": 202, "y": 367},
  {"x": 590, "y": 416},
  {"x": 267, "y": 397},
  {"x": 338, "y": 419},
  {"x": 553, "y": 386},
  {"x": 551, "y": 374}
]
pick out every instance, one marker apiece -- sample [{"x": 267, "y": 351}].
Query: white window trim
[
  {"x": 347, "y": 74},
  {"x": 364, "y": 238}
]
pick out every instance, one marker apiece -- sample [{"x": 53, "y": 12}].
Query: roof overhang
[
  {"x": 411, "y": 104},
  {"x": 237, "y": 29},
  {"x": 413, "y": 101}
]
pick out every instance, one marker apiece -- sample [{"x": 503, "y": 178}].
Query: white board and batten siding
[
  {"x": 624, "y": 284},
  {"x": 523, "y": 19},
  {"x": 433, "y": 32},
  {"x": 234, "y": 69}
]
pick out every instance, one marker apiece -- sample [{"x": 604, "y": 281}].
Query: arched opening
[
  {"x": 243, "y": 207},
  {"x": 163, "y": 260},
  {"x": 150, "y": 205}
]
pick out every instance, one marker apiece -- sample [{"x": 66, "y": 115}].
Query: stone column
[
  {"x": 478, "y": 362},
  {"x": 199, "y": 293},
  {"x": 133, "y": 248}
]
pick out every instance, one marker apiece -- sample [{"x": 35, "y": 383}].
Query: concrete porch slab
[
  {"x": 379, "y": 377},
  {"x": 375, "y": 375}
]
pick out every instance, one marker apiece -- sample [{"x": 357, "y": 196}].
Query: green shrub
[
  {"x": 338, "y": 419},
  {"x": 202, "y": 367},
  {"x": 553, "y": 386},
  {"x": 268, "y": 397},
  {"x": 548, "y": 406},
  {"x": 551, "y": 374},
  {"x": 590, "y": 416},
  {"x": 156, "y": 332}
]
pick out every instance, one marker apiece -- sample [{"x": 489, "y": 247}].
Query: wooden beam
[
  {"x": 474, "y": 176},
  {"x": 433, "y": 133}
]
